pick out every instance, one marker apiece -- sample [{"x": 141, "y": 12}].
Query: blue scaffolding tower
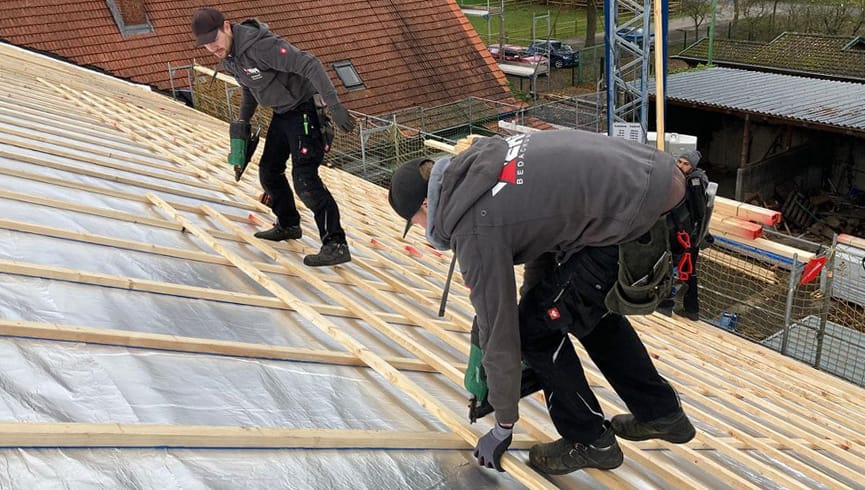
[{"x": 628, "y": 40}]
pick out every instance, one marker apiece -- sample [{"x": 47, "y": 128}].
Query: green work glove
[{"x": 475, "y": 379}]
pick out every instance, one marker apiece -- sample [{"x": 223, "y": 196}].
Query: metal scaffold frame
[
  {"x": 627, "y": 99},
  {"x": 493, "y": 8}
]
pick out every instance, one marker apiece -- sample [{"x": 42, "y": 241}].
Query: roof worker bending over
[{"x": 569, "y": 205}]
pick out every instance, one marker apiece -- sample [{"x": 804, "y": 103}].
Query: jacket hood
[
  {"x": 247, "y": 33},
  {"x": 465, "y": 181}
]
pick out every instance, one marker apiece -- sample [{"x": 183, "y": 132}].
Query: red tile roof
[{"x": 407, "y": 52}]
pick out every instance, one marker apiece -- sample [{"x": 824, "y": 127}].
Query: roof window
[{"x": 346, "y": 72}]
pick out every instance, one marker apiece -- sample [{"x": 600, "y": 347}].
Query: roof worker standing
[
  {"x": 562, "y": 203},
  {"x": 687, "y": 163},
  {"x": 275, "y": 74}
]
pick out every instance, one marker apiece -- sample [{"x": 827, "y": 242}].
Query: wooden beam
[
  {"x": 747, "y": 211},
  {"x": 747, "y": 416},
  {"x": 143, "y": 340},
  {"x": 736, "y": 227},
  {"x": 660, "y": 72},
  {"x": 81, "y": 435},
  {"x": 782, "y": 250},
  {"x": 155, "y": 222},
  {"x": 136, "y": 183},
  {"x": 108, "y": 159},
  {"x": 151, "y": 248},
  {"x": 851, "y": 240},
  {"x": 180, "y": 290},
  {"x": 769, "y": 374}
]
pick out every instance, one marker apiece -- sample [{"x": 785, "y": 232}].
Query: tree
[
  {"x": 697, "y": 10},
  {"x": 591, "y": 22}
]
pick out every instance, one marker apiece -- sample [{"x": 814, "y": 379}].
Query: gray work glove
[
  {"x": 342, "y": 118},
  {"x": 493, "y": 445}
]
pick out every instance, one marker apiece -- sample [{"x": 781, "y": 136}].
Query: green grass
[{"x": 564, "y": 23}]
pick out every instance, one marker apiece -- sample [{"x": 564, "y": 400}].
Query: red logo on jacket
[{"x": 512, "y": 168}]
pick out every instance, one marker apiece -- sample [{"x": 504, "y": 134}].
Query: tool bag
[
  {"x": 646, "y": 264},
  {"x": 645, "y": 273}
]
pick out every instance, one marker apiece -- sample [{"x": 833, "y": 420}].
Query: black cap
[
  {"x": 408, "y": 189},
  {"x": 206, "y": 22}
]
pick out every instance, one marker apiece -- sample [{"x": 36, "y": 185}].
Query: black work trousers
[
  {"x": 569, "y": 298},
  {"x": 691, "y": 302},
  {"x": 296, "y": 133}
]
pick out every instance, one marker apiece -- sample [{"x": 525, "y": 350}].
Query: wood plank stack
[{"x": 743, "y": 223}]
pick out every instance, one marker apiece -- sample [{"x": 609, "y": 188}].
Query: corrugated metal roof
[{"x": 809, "y": 100}]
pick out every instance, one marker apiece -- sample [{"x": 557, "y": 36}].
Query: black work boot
[
  {"x": 674, "y": 428},
  {"x": 331, "y": 254},
  {"x": 665, "y": 307},
  {"x": 278, "y": 233},
  {"x": 689, "y": 314},
  {"x": 560, "y": 457}
]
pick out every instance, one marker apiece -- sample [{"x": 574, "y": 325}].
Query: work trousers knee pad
[{"x": 309, "y": 187}]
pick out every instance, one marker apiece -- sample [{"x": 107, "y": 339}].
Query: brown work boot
[
  {"x": 562, "y": 456},
  {"x": 674, "y": 428},
  {"x": 331, "y": 254}
]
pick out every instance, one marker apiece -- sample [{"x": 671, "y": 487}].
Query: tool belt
[{"x": 646, "y": 264}]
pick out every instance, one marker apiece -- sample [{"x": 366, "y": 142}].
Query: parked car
[
  {"x": 634, "y": 34},
  {"x": 561, "y": 55},
  {"x": 515, "y": 54}
]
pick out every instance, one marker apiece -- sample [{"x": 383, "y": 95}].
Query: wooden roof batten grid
[{"x": 718, "y": 386}]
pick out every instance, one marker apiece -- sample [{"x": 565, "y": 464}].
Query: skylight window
[{"x": 346, "y": 72}]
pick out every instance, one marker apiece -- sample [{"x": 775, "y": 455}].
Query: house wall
[
  {"x": 848, "y": 170},
  {"x": 801, "y": 156}
]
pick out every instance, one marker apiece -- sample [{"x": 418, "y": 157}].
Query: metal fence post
[
  {"x": 827, "y": 302},
  {"x": 470, "y": 115},
  {"x": 395, "y": 141},
  {"x": 362, "y": 134},
  {"x": 788, "y": 310}
]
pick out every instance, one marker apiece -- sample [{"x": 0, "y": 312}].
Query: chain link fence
[
  {"x": 586, "y": 112},
  {"x": 812, "y": 310}
]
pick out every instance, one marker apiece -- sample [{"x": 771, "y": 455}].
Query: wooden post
[
  {"x": 659, "y": 74},
  {"x": 743, "y": 159}
]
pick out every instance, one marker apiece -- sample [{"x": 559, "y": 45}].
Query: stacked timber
[{"x": 743, "y": 223}]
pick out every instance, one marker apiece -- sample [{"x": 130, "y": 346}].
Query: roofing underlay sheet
[{"x": 146, "y": 341}]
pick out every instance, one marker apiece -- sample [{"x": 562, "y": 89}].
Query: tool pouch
[
  {"x": 645, "y": 272},
  {"x": 571, "y": 299},
  {"x": 324, "y": 122}
]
